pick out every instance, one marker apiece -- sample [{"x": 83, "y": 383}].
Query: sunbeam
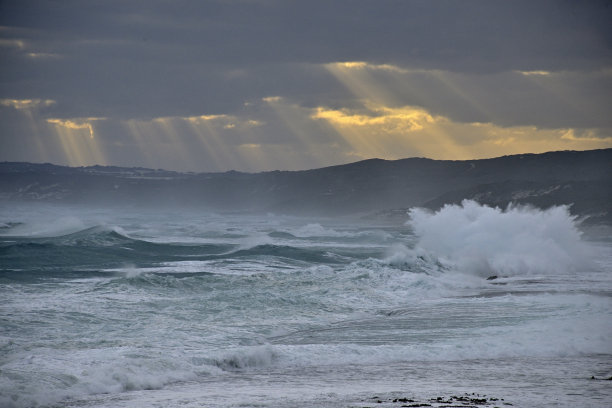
[{"x": 78, "y": 140}]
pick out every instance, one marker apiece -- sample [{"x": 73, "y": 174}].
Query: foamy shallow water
[
  {"x": 522, "y": 382},
  {"x": 148, "y": 309}
]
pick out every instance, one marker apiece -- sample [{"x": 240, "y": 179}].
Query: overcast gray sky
[{"x": 258, "y": 85}]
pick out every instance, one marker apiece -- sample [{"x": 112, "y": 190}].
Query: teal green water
[{"x": 100, "y": 308}]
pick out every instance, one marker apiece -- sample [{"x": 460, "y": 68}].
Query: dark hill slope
[{"x": 583, "y": 179}]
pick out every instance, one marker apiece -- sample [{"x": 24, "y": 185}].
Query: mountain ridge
[{"x": 580, "y": 178}]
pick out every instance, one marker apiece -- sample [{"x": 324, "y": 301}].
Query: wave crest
[{"x": 485, "y": 241}]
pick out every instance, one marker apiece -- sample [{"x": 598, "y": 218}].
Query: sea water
[{"x": 127, "y": 308}]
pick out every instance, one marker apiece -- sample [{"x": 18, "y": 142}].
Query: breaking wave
[{"x": 485, "y": 241}]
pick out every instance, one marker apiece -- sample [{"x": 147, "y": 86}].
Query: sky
[{"x": 258, "y": 85}]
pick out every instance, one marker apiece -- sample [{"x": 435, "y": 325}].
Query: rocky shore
[{"x": 472, "y": 400}]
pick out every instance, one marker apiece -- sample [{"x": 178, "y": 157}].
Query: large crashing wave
[{"x": 482, "y": 240}]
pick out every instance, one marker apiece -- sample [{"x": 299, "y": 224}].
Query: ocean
[{"x": 467, "y": 306}]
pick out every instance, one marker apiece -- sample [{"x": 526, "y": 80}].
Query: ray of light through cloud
[{"x": 176, "y": 88}]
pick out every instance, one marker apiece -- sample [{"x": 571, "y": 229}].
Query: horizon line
[{"x": 300, "y": 170}]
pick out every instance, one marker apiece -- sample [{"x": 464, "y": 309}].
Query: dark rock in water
[
  {"x": 603, "y": 379},
  {"x": 493, "y": 277},
  {"x": 464, "y": 401}
]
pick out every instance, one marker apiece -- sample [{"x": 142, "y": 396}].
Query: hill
[{"x": 582, "y": 179}]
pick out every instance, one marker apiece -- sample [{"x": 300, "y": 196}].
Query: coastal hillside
[{"x": 582, "y": 179}]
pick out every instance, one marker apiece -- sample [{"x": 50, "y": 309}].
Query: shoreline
[{"x": 467, "y": 400}]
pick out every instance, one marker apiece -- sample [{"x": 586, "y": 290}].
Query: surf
[{"x": 488, "y": 241}]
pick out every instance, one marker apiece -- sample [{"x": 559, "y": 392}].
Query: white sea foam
[
  {"x": 486, "y": 241},
  {"x": 62, "y": 375},
  {"x": 245, "y": 267},
  {"x": 340, "y": 306},
  {"x": 537, "y": 337}
]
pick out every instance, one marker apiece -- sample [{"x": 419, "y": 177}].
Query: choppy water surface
[{"x": 140, "y": 309}]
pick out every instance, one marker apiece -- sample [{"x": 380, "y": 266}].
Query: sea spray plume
[{"x": 482, "y": 240}]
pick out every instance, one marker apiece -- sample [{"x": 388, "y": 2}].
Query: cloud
[
  {"x": 40, "y": 55},
  {"x": 75, "y": 124},
  {"x": 21, "y": 104},
  {"x": 78, "y": 142},
  {"x": 268, "y": 84},
  {"x": 12, "y": 43},
  {"x": 272, "y": 99},
  {"x": 364, "y": 65},
  {"x": 135, "y": 59},
  {"x": 511, "y": 98},
  {"x": 596, "y": 136},
  {"x": 276, "y": 133},
  {"x": 536, "y": 73},
  {"x": 384, "y": 119},
  {"x": 395, "y": 133}
]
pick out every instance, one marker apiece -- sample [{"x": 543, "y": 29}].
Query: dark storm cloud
[
  {"x": 434, "y": 34},
  {"x": 103, "y": 64},
  {"x": 112, "y": 57},
  {"x": 546, "y": 99}
]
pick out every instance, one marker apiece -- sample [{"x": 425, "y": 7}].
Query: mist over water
[{"x": 105, "y": 309}]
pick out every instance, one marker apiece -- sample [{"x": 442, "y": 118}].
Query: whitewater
[{"x": 137, "y": 308}]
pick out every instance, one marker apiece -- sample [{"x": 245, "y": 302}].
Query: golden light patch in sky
[
  {"x": 224, "y": 121},
  {"x": 21, "y": 104},
  {"x": 394, "y": 133},
  {"x": 275, "y": 132},
  {"x": 386, "y": 129},
  {"x": 383, "y": 118},
  {"x": 351, "y": 64},
  {"x": 364, "y": 65},
  {"x": 272, "y": 99},
  {"x": 204, "y": 118},
  {"x": 78, "y": 141},
  {"x": 75, "y": 124},
  {"x": 386, "y": 132},
  {"x": 362, "y": 80},
  {"x": 534, "y": 73},
  {"x": 320, "y": 136}
]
